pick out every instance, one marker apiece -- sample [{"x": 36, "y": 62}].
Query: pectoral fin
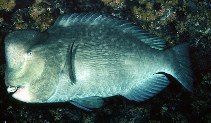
[
  {"x": 148, "y": 88},
  {"x": 88, "y": 103},
  {"x": 69, "y": 63}
]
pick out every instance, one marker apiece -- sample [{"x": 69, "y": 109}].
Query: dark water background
[{"x": 176, "y": 21}]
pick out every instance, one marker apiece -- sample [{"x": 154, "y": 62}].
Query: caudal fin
[{"x": 183, "y": 72}]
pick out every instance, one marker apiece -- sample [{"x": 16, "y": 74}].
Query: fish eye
[{"x": 29, "y": 53}]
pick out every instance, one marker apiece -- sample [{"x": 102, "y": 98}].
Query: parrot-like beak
[
  {"x": 12, "y": 89},
  {"x": 20, "y": 93}
]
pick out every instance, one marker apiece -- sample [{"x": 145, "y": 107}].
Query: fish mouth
[
  {"x": 20, "y": 93},
  {"x": 13, "y": 89}
]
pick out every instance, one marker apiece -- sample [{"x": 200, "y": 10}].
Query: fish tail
[{"x": 182, "y": 70}]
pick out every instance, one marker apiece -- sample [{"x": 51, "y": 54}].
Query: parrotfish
[{"x": 86, "y": 57}]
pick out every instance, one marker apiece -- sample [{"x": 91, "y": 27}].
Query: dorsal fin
[{"x": 100, "y": 19}]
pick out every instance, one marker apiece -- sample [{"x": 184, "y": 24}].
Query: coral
[
  {"x": 20, "y": 26},
  {"x": 7, "y": 5},
  {"x": 113, "y": 3},
  {"x": 155, "y": 16},
  {"x": 147, "y": 12},
  {"x": 41, "y": 16},
  {"x": 89, "y": 118},
  {"x": 57, "y": 114}
]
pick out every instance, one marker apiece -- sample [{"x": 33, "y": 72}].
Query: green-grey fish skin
[{"x": 83, "y": 58}]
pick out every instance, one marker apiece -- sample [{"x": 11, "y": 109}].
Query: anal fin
[{"x": 147, "y": 88}]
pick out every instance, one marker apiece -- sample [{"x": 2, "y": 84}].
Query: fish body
[{"x": 84, "y": 58}]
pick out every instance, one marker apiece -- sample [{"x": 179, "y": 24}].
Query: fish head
[{"x": 25, "y": 67}]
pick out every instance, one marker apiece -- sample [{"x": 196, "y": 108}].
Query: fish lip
[
  {"x": 21, "y": 93},
  {"x": 13, "y": 89}
]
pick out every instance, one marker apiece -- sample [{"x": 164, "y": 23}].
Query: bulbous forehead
[
  {"x": 21, "y": 37},
  {"x": 18, "y": 44},
  {"x": 15, "y": 54}
]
